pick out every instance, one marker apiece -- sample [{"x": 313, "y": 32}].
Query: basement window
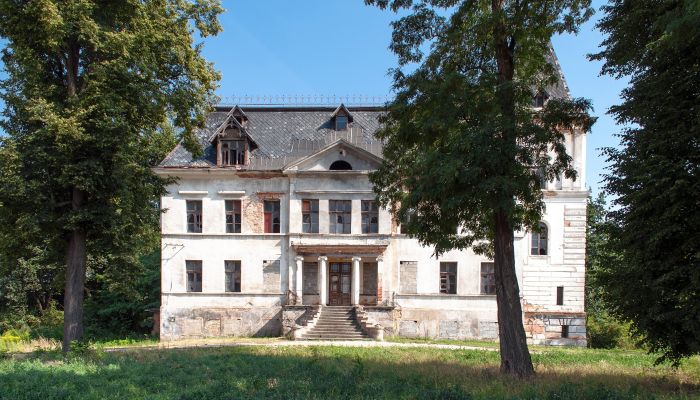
[
  {"x": 194, "y": 275},
  {"x": 565, "y": 331}
]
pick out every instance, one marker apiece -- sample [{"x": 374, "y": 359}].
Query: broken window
[
  {"x": 560, "y": 295},
  {"x": 232, "y": 275},
  {"x": 272, "y": 216},
  {"x": 448, "y": 277},
  {"x": 488, "y": 278},
  {"x": 233, "y": 152},
  {"x": 565, "y": 331},
  {"x": 233, "y": 216},
  {"x": 340, "y": 212},
  {"x": 194, "y": 216},
  {"x": 340, "y": 165},
  {"x": 194, "y": 275},
  {"x": 539, "y": 241},
  {"x": 370, "y": 216},
  {"x": 309, "y": 216}
]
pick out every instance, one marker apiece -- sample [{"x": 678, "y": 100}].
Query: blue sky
[{"x": 339, "y": 48}]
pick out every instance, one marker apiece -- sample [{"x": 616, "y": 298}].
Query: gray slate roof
[
  {"x": 287, "y": 134},
  {"x": 284, "y": 135}
]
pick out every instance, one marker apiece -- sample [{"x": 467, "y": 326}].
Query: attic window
[
  {"x": 340, "y": 165},
  {"x": 233, "y": 152},
  {"x": 341, "y": 122}
]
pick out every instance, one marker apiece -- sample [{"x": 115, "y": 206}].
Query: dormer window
[
  {"x": 233, "y": 152},
  {"x": 341, "y": 122}
]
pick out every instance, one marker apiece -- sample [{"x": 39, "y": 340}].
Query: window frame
[
  {"x": 539, "y": 241},
  {"x": 446, "y": 275},
  {"x": 560, "y": 296},
  {"x": 269, "y": 224},
  {"x": 369, "y": 209},
  {"x": 231, "y": 267},
  {"x": 335, "y": 212},
  {"x": 230, "y": 207},
  {"x": 310, "y": 226},
  {"x": 338, "y": 124},
  {"x": 487, "y": 283},
  {"x": 228, "y": 147},
  {"x": 196, "y": 214},
  {"x": 193, "y": 268}
]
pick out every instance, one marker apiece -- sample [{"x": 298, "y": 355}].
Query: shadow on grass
[{"x": 325, "y": 373}]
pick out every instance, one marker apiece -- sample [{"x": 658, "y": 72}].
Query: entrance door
[{"x": 339, "y": 284}]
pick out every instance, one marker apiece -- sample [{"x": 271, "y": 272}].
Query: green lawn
[{"x": 340, "y": 372}]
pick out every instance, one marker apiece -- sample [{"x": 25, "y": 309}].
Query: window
[
  {"x": 488, "y": 278},
  {"x": 341, "y": 122},
  {"x": 309, "y": 216},
  {"x": 194, "y": 275},
  {"x": 565, "y": 331},
  {"x": 539, "y": 100},
  {"x": 194, "y": 216},
  {"x": 560, "y": 295},
  {"x": 340, "y": 212},
  {"x": 370, "y": 216},
  {"x": 408, "y": 270},
  {"x": 233, "y": 216},
  {"x": 233, "y": 152},
  {"x": 539, "y": 241},
  {"x": 448, "y": 277},
  {"x": 272, "y": 216},
  {"x": 232, "y": 276},
  {"x": 340, "y": 165}
]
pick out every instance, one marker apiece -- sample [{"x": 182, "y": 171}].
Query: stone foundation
[
  {"x": 295, "y": 316},
  {"x": 216, "y": 322},
  {"x": 546, "y": 328}
]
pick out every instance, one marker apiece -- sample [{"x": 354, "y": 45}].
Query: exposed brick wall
[{"x": 253, "y": 213}]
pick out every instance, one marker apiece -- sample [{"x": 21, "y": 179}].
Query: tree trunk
[
  {"x": 76, "y": 256},
  {"x": 515, "y": 357}
]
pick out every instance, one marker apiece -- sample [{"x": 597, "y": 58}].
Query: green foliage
[
  {"x": 93, "y": 94},
  {"x": 461, "y": 142},
  {"x": 653, "y": 278},
  {"x": 332, "y": 372}
]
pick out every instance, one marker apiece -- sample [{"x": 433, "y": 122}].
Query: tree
[
  {"x": 89, "y": 91},
  {"x": 654, "y": 177},
  {"x": 462, "y": 140}
]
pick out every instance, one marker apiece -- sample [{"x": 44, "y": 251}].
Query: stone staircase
[{"x": 336, "y": 323}]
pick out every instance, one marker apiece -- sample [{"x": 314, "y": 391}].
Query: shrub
[{"x": 606, "y": 332}]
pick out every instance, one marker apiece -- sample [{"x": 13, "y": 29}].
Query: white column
[
  {"x": 298, "y": 281},
  {"x": 380, "y": 280},
  {"x": 355, "y": 285},
  {"x": 323, "y": 279}
]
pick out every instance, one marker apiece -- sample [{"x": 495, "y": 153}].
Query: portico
[{"x": 338, "y": 275}]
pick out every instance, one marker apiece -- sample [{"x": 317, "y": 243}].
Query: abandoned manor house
[{"x": 275, "y": 230}]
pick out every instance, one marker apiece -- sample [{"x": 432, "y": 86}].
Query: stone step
[
  {"x": 334, "y": 337},
  {"x": 335, "y": 329}
]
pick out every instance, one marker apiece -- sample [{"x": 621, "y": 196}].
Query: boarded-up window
[
  {"x": 448, "y": 277},
  {"x": 194, "y": 275},
  {"x": 407, "y": 276},
  {"x": 271, "y": 276},
  {"x": 488, "y": 278},
  {"x": 369, "y": 278},
  {"x": 232, "y": 275},
  {"x": 310, "y": 278}
]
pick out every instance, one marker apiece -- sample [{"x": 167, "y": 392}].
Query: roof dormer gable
[
  {"x": 338, "y": 156},
  {"x": 341, "y": 118},
  {"x": 233, "y": 144}
]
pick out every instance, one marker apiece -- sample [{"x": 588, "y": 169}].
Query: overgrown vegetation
[{"x": 342, "y": 372}]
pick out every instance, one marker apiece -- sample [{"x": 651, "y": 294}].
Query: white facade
[{"x": 294, "y": 268}]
